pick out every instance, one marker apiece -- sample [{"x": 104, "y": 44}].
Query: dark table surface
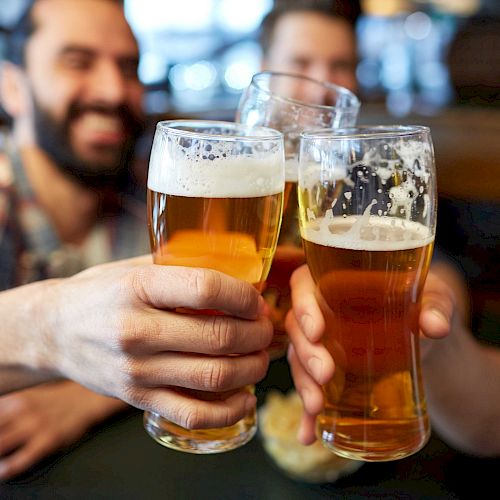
[{"x": 119, "y": 460}]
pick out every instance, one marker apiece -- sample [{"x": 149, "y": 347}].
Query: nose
[
  {"x": 107, "y": 85},
  {"x": 320, "y": 71}
]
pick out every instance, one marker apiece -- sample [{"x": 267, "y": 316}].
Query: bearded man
[{"x": 70, "y": 85}]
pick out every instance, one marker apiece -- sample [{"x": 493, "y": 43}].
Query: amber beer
[
  {"x": 236, "y": 236},
  {"x": 370, "y": 280},
  {"x": 214, "y": 220},
  {"x": 289, "y": 255}
]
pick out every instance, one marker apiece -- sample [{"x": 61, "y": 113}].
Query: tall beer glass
[
  {"x": 292, "y": 104},
  {"x": 367, "y": 201},
  {"x": 215, "y": 197}
]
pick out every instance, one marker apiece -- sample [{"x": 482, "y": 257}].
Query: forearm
[
  {"x": 25, "y": 356},
  {"x": 462, "y": 377}
]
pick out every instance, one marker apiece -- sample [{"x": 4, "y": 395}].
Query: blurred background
[{"x": 198, "y": 55}]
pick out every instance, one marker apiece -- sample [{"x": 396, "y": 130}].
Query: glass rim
[
  {"x": 364, "y": 132},
  {"x": 168, "y": 126},
  {"x": 352, "y": 108}
]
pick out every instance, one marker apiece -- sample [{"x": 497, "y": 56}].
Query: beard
[{"x": 53, "y": 137}]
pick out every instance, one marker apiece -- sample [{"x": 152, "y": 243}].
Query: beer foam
[
  {"x": 312, "y": 173},
  {"x": 367, "y": 233},
  {"x": 408, "y": 165},
  {"x": 291, "y": 170},
  {"x": 222, "y": 177}
]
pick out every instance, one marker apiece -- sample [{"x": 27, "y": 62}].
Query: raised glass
[
  {"x": 292, "y": 104},
  {"x": 215, "y": 197},
  {"x": 367, "y": 200}
]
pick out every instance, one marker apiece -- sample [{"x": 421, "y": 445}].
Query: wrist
[{"x": 44, "y": 304}]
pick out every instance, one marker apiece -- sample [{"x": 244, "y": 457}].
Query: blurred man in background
[
  {"x": 312, "y": 38},
  {"x": 71, "y": 88}
]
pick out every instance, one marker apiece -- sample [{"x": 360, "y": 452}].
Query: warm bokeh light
[{"x": 384, "y": 8}]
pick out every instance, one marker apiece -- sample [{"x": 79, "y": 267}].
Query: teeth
[{"x": 101, "y": 123}]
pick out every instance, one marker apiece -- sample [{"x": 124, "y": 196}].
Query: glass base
[
  {"x": 375, "y": 452},
  {"x": 202, "y": 441}
]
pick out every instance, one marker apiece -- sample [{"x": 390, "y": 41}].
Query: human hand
[
  {"x": 310, "y": 362},
  {"x": 38, "y": 421},
  {"x": 114, "y": 328}
]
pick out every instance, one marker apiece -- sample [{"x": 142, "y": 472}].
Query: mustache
[
  {"x": 53, "y": 137},
  {"x": 132, "y": 123}
]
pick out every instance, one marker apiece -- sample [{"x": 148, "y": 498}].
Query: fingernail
[
  {"x": 315, "y": 367},
  {"x": 439, "y": 314},
  {"x": 306, "y": 324}
]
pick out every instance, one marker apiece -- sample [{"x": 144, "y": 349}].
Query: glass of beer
[
  {"x": 367, "y": 200},
  {"x": 292, "y": 104},
  {"x": 215, "y": 198}
]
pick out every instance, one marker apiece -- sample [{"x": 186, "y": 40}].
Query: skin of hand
[
  {"x": 114, "y": 328},
  {"x": 38, "y": 421},
  {"x": 310, "y": 362}
]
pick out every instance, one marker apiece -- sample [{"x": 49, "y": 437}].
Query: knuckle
[
  {"x": 138, "y": 398},
  {"x": 131, "y": 332},
  {"x": 133, "y": 372},
  {"x": 219, "y": 335},
  {"x": 135, "y": 280},
  {"x": 204, "y": 285},
  {"x": 124, "y": 337},
  {"x": 190, "y": 416},
  {"x": 216, "y": 375},
  {"x": 247, "y": 297}
]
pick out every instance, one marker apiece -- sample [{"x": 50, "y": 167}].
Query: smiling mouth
[{"x": 101, "y": 128}]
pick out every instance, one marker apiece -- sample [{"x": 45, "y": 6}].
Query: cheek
[{"x": 54, "y": 95}]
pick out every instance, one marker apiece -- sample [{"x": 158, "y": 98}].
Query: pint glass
[
  {"x": 367, "y": 201},
  {"x": 292, "y": 104},
  {"x": 215, "y": 197}
]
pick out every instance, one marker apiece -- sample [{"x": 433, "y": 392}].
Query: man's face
[
  {"x": 81, "y": 67},
  {"x": 314, "y": 45}
]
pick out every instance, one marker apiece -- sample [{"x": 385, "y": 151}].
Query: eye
[
  {"x": 345, "y": 66},
  {"x": 77, "y": 61},
  {"x": 301, "y": 62}
]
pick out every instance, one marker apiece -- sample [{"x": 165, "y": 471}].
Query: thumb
[{"x": 436, "y": 313}]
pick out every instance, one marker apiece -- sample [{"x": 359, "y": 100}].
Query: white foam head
[
  {"x": 218, "y": 174},
  {"x": 374, "y": 233},
  {"x": 292, "y": 170}
]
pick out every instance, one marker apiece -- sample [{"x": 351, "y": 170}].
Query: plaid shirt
[{"x": 30, "y": 249}]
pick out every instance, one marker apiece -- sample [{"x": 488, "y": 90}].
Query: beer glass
[
  {"x": 215, "y": 197},
  {"x": 292, "y": 104},
  {"x": 367, "y": 200}
]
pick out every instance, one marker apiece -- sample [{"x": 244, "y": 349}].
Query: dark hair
[
  {"x": 21, "y": 31},
  {"x": 343, "y": 9}
]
